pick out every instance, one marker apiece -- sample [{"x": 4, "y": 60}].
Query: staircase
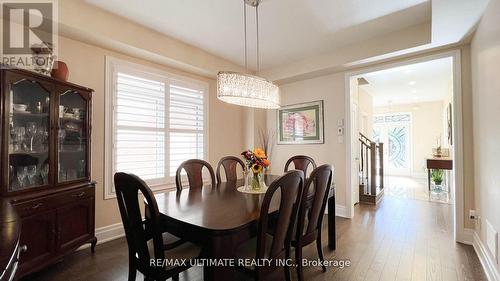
[{"x": 371, "y": 171}]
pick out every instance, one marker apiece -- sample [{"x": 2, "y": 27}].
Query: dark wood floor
[{"x": 401, "y": 239}]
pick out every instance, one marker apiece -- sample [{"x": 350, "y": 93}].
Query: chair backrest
[
  {"x": 301, "y": 162},
  {"x": 229, "y": 163},
  {"x": 313, "y": 203},
  {"x": 194, "y": 171},
  {"x": 290, "y": 186},
  {"x": 127, "y": 187}
]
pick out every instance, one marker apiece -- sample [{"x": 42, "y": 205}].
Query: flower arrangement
[{"x": 256, "y": 160}]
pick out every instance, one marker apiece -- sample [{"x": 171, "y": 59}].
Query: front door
[{"x": 394, "y": 130}]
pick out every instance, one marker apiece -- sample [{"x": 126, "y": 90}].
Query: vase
[
  {"x": 257, "y": 181},
  {"x": 60, "y": 71}
]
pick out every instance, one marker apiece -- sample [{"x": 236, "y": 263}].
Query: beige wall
[
  {"x": 365, "y": 110},
  {"x": 426, "y": 128},
  {"x": 330, "y": 89},
  {"x": 86, "y": 65},
  {"x": 485, "y": 58}
]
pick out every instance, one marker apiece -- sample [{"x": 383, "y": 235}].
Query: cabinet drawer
[{"x": 50, "y": 202}]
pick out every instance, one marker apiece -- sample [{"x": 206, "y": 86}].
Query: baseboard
[
  {"x": 107, "y": 233},
  {"x": 487, "y": 261},
  {"x": 341, "y": 211}
]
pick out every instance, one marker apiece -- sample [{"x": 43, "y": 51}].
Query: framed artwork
[{"x": 301, "y": 123}]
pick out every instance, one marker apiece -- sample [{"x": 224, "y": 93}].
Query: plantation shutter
[
  {"x": 186, "y": 123},
  {"x": 139, "y": 123}
]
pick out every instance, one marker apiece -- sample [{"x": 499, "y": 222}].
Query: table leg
[
  {"x": 332, "y": 240},
  {"x": 220, "y": 247}
]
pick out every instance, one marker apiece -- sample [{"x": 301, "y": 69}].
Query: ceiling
[
  {"x": 421, "y": 82},
  {"x": 290, "y": 30}
]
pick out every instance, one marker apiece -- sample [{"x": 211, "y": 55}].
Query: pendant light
[{"x": 245, "y": 89}]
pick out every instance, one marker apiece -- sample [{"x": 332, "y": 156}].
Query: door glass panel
[
  {"x": 72, "y": 137},
  {"x": 28, "y": 135},
  {"x": 398, "y": 142}
]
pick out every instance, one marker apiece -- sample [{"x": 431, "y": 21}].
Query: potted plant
[{"x": 437, "y": 176}]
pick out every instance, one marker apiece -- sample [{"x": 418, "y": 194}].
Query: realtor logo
[{"x": 29, "y": 33}]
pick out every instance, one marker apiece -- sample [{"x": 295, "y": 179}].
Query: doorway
[{"x": 398, "y": 129}]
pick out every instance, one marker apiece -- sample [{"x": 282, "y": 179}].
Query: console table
[{"x": 440, "y": 163}]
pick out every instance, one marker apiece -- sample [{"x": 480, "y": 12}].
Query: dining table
[{"x": 220, "y": 218}]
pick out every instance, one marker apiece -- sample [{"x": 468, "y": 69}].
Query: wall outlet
[{"x": 472, "y": 214}]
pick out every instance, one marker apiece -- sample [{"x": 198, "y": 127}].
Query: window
[{"x": 154, "y": 122}]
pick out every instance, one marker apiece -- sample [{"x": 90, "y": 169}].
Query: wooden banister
[{"x": 371, "y": 170}]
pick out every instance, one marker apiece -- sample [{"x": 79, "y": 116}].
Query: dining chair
[
  {"x": 301, "y": 162},
  {"x": 276, "y": 246},
  {"x": 194, "y": 171},
  {"x": 311, "y": 213},
  {"x": 145, "y": 238},
  {"x": 229, "y": 163}
]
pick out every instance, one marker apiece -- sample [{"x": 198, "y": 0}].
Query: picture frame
[{"x": 301, "y": 123}]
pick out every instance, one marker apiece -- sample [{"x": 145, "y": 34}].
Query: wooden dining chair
[
  {"x": 276, "y": 246},
  {"x": 311, "y": 213},
  {"x": 194, "y": 171},
  {"x": 229, "y": 163},
  {"x": 145, "y": 238},
  {"x": 300, "y": 162}
]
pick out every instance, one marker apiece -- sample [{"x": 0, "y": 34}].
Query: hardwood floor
[
  {"x": 414, "y": 188},
  {"x": 401, "y": 239}
]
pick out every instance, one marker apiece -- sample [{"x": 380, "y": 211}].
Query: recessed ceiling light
[
  {"x": 412, "y": 83},
  {"x": 408, "y": 71},
  {"x": 414, "y": 91},
  {"x": 416, "y": 98}
]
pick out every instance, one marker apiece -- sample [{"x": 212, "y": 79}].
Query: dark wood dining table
[{"x": 220, "y": 218}]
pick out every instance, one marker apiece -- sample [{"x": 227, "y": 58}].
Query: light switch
[{"x": 340, "y": 122}]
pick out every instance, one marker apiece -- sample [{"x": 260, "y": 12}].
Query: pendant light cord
[
  {"x": 245, "y": 32},
  {"x": 245, "y": 27},
  {"x": 257, "y": 21}
]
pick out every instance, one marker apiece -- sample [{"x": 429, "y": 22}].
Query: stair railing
[{"x": 371, "y": 166}]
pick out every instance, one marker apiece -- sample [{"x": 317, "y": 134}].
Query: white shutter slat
[
  {"x": 187, "y": 124},
  {"x": 140, "y": 136}
]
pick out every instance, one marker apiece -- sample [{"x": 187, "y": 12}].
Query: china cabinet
[{"x": 45, "y": 163}]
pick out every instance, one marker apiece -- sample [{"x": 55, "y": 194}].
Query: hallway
[{"x": 413, "y": 188}]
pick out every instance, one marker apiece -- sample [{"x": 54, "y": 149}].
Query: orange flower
[
  {"x": 266, "y": 163},
  {"x": 259, "y": 153}
]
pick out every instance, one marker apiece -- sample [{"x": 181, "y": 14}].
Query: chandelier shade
[{"x": 247, "y": 90}]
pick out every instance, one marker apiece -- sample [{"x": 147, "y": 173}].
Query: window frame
[{"x": 114, "y": 65}]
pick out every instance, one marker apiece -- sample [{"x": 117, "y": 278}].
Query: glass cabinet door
[
  {"x": 72, "y": 136},
  {"x": 29, "y": 135}
]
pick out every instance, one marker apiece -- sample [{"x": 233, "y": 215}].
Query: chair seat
[
  {"x": 271, "y": 229},
  {"x": 185, "y": 250}
]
